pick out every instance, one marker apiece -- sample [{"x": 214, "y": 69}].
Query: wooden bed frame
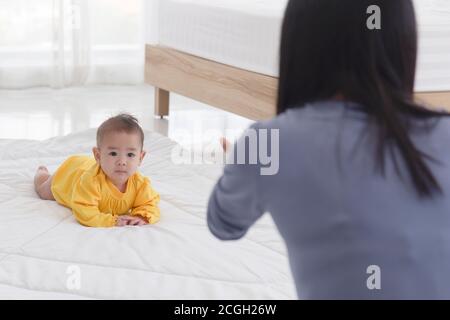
[{"x": 248, "y": 94}]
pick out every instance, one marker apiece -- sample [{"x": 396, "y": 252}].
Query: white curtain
[{"x": 61, "y": 43}]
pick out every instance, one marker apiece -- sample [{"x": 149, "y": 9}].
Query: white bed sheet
[
  {"x": 246, "y": 34},
  {"x": 177, "y": 258}
]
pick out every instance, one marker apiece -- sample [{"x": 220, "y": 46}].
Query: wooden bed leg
[{"x": 162, "y": 98}]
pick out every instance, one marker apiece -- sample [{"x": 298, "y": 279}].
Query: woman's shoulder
[
  {"x": 312, "y": 115},
  {"x": 291, "y": 117},
  {"x": 436, "y": 128}
]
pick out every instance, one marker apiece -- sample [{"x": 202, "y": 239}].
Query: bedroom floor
[{"x": 42, "y": 113}]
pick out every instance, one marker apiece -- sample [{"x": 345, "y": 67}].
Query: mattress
[
  {"x": 246, "y": 34},
  {"x": 42, "y": 247},
  {"x": 433, "y": 64}
]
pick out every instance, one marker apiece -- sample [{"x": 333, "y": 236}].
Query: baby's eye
[
  {"x": 113, "y": 153},
  {"x": 131, "y": 155}
]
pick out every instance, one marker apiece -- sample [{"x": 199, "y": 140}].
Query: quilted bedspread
[{"x": 46, "y": 254}]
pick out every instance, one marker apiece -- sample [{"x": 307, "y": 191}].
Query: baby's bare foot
[
  {"x": 43, "y": 168},
  {"x": 41, "y": 175}
]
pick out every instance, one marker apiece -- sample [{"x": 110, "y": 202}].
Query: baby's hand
[
  {"x": 127, "y": 220},
  {"x": 137, "y": 221},
  {"x": 121, "y": 221}
]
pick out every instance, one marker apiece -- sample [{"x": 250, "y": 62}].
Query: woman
[{"x": 360, "y": 197}]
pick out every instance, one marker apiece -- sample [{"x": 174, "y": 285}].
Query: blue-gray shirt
[{"x": 349, "y": 231}]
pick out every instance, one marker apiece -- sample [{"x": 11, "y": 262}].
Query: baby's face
[{"x": 119, "y": 155}]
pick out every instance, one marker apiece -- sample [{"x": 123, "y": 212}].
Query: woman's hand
[{"x": 225, "y": 144}]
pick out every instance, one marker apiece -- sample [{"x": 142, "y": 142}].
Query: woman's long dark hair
[{"x": 327, "y": 49}]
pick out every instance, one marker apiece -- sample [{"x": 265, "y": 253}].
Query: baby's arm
[
  {"x": 146, "y": 203},
  {"x": 92, "y": 217},
  {"x": 85, "y": 200}
]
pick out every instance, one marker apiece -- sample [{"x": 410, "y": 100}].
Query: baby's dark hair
[{"x": 121, "y": 123}]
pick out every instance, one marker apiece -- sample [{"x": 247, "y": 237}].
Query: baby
[{"x": 106, "y": 190}]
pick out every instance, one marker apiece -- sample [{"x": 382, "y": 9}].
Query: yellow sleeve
[
  {"x": 146, "y": 202},
  {"x": 85, "y": 199}
]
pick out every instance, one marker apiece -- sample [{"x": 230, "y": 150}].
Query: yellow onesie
[{"x": 81, "y": 185}]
